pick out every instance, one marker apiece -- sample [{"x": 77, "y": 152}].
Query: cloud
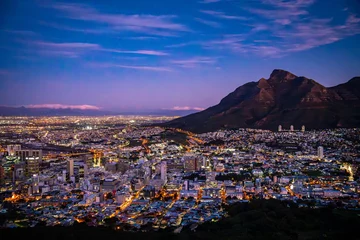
[
  {"x": 281, "y": 27},
  {"x": 141, "y": 52},
  {"x": 185, "y": 108},
  {"x": 60, "y": 49},
  {"x": 135, "y": 67},
  {"x": 67, "y": 45},
  {"x": 194, "y": 62},
  {"x": 222, "y": 15},
  {"x": 208, "y": 22},
  {"x": 72, "y": 29},
  {"x": 143, "y": 38},
  {"x": 209, "y": 1},
  {"x": 182, "y": 44},
  {"x": 20, "y": 32},
  {"x": 63, "y": 106},
  {"x": 150, "y": 24}
]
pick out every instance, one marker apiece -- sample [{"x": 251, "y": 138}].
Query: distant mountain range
[
  {"x": 24, "y": 111},
  {"x": 283, "y": 99}
]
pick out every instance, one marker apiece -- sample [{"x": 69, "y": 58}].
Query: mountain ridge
[{"x": 282, "y": 99}]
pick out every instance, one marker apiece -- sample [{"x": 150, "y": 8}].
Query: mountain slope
[{"x": 283, "y": 99}]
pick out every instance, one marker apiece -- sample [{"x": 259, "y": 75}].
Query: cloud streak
[
  {"x": 185, "y": 108},
  {"x": 64, "y": 106},
  {"x": 208, "y": 22},
  {"x": 141, "y": 52},
  {"x": 194, "y": 62},
  {"x": 222, "y": 15},
  {"x": 150, "y": 24},
  {"x": 135, "y": 67}
]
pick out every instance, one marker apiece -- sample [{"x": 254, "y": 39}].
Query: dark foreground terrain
[{"x": 259, "y": 219}]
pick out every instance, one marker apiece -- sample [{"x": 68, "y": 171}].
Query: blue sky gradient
[{"x": 168, "y": 54}]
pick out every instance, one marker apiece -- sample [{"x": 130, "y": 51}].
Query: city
[
  {"x": 130, "y": 174},
  {"x": 180, "y": 119}
]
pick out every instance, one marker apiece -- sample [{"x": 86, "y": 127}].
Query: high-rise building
[
  {"x": 163, "y": 171},
  {"x": 303, "y": 128},
  {"x": 192, "y": 163},
  {"x": 2, "y": 175},
  {"x": 320, "y": 152},
  {"x": 11, "y": 149},
  {"x": 292, "y": 128},
  {"x": 70, "y": 167},
  {"x": 280, "y": 128},
  {"x": 32, "y": 158}
]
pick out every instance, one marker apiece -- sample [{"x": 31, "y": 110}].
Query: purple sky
[{"x": 161, "y": 54}]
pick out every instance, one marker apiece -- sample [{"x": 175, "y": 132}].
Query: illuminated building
[
  {"x": 320, "y": 152},
  {"x": 292, "y": 128},
  {"x": 192, "y": 163},
  {"x": 70, "y": 167},
  {"x": 32, "y": 158},
  {"x": 280, "y": 128},
  {"x": 2, "y": 175},
  {"x": 303, "y": 128},
  {"x": 11, "y": 149},
  {"x": 163, "y": 171},
  {"x": 110, "y": 184}
]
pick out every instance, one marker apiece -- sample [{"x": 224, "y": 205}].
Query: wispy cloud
[
  {"x": 194, "y": 62},
  {"x": 64, "y": 106},
  {"x": 141, "y": 52},
  {"x": 209, "y": 1},
  {"x": 208, "y": 22},
  {"x": 20, "y": 32},
  {"x": 143, "y": 38},
  {"x": 67, "y": 45},
  {"x": 72, "y": 29},
  {"x": 149, "y": 24},
  {"x": 185, "y": 108},
  {"x": 60, "y": 49},
  {"x": 223, "y": 15},
  {"x": 280, "y": 27},
  {"x": 135, "y": 67},
  {"x": 182, "y": 44}
]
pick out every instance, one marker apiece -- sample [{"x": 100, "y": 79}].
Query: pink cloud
[
  {"x": 63, "y": 106},
  {"x": 178, "y": 108}
]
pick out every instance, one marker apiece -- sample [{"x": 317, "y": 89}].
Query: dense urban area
[{"x": 127, "y": 173}]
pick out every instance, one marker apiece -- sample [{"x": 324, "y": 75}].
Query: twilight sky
[{"x": 167, "y": 54}]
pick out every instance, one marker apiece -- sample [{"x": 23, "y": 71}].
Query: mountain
[
  {"x": 23, "y": 111},
  {"x": 283, "y": 99}
]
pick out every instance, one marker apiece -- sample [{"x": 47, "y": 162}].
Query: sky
[{"x": 139, "y": 55}]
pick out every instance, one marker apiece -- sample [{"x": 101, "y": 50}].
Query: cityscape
[
  {"x": 180, "y": 119},
  {"x": 127, "y": 173}
]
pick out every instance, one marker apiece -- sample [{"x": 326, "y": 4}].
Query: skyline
[{"x": 181, "y": 55}]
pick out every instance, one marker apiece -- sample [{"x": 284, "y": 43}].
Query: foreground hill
[
  {"x": 260, "y": 219},
  {"x": 283, "y": 99}
]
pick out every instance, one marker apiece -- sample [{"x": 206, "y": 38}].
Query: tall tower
[
  {"x": 303, "y": 128},
  {"x": 70, "y": 167},
  {"x": 11, "y": 149},
  {"x": 320, "y": 152},
  {"x": 292, "y": 128},
  {"x": 280, "y": 128},
  {"x": 32, "y": 159},
  {"x": 163, "y": 171}
]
